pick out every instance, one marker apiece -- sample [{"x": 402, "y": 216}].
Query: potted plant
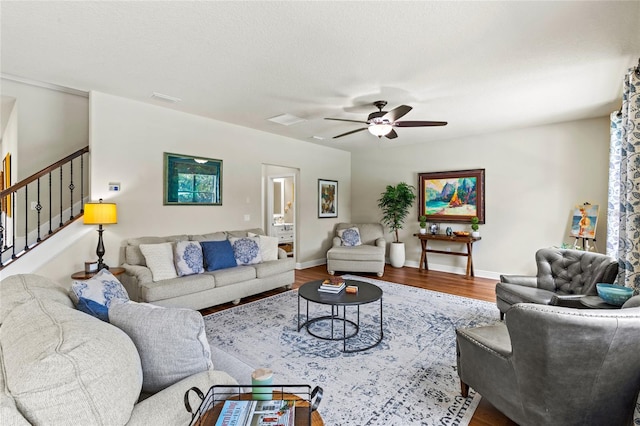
[
  {"x": 474, "y": 227},
  {"x": 395, "y": 203},
  {"x": 423, "y": 224}
]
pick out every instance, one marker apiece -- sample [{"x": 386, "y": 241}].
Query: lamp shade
[
  {"x": 100, "y": 213},
  {"x": 381, "y": 129}
]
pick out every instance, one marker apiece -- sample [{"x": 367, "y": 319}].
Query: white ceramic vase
[
  {"x": 423, "y": 230},
  {"x": 475, "y": 234},
  {"x": 396, "y": 255}
]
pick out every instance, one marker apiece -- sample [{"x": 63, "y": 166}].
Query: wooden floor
[{"x": 476, "y": 288}]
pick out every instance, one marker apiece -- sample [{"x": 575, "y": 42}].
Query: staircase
[{"x": 38, "y": 207}]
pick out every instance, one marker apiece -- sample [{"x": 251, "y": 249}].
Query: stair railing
[{"x": 32, "y": 210}]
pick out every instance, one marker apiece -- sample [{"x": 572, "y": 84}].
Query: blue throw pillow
[
  {"x": 218, "y": 255},
  {"x": 94, "y": 309}
]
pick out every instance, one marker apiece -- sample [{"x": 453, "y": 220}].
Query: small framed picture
[{"x": 327, "y": 198}]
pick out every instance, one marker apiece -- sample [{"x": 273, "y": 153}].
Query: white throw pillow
[
  {"x": 246, "y": 250},
  {"x": 171, "y": 342},
  {"x": 350, "y": 237},
  {"x": 102, "y": 288},
  {"x": 159, "y": 258},
  {"x": 268, "y": 246},
  {"x": 188, "y": 258}
]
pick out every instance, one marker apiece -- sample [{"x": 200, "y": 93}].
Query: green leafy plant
[
  {"x": 395, "y": 203},
  {"x": 423, "y": 222},
  {"x": 474, "y": 223}
]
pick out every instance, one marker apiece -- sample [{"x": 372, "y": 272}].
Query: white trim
[
  {"x": 45, "y": 85},
  {"x": 454, "y": 270},
  {"x": 311, "y": 263}
]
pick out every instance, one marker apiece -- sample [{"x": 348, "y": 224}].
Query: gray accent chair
[
  {"x": 368, "y": 257},
  {"x": 552, "y": 365},
  {"x": 564, "y": 276}
]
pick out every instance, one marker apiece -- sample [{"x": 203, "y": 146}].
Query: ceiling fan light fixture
[{"x": 380, "y": 129}]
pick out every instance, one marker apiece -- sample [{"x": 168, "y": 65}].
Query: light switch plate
[{"x": 114, "y": 186}]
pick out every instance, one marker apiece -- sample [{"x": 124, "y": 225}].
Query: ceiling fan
[{"x": 381, "y": 123}]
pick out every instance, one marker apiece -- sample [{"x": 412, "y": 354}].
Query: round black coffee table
[{"x": 367, "y": 293}]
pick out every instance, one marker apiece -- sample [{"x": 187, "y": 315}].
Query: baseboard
[
  {"x": 414, "y": 264},
  {"x": 311, "y": 263},
  {"x": 454, "y": 270}
]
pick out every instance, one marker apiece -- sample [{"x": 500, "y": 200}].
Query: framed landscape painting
[
  {"x": 192, "y": 180},
  {"x": 327, "y": 198},
  {"x": 454, "y": 196}
]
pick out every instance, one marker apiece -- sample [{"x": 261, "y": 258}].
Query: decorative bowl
[
  {"x": 461, "y": 233},
  {"x": 614, "y": 294}
]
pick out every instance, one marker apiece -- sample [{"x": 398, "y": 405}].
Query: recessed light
[
  {"x": 166, "y": 98},
  {"x": 286, "y": 119}
]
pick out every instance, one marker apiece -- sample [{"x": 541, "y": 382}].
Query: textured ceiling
[{"x": 481, "y": 66}]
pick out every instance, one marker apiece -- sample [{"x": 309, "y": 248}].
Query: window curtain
[{"x": 623, "y": 217}]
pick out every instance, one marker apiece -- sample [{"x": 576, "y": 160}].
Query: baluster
[
  {"x": 3, "y": 227},
  {"x": 26, "y": 218},
  {"x": 71, "y": 187},
  {"x": 13, "y": 225},
  {"x": 50, "y": 204},
  {"x": 82, "y": 184},
  {"x": 39, "y": 209},
  {"x": 61, "y": 224}
]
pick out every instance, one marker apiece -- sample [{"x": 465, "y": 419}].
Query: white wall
[
  {"x": 534, "y": 179},
  {"x": 127, "y": 142},
  {"x": 51, "y": 125}
]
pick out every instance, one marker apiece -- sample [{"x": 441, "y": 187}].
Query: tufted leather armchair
[
  {"x": 564, "y": 276},
  {"x": 551, "y": 365}
]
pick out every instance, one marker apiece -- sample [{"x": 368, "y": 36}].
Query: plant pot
[
  {"x": 423, "y": 230},
  {"x": 475, "y": 234},
  {"x": 396, "y": 255}
]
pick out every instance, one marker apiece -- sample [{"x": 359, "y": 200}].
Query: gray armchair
[
  {"x": 564, "y": 276},
  {"x": 367, "y": 257},
  {"x": 551, "y": 365}
]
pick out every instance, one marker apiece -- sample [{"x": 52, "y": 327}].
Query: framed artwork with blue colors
[
  {"x": 327, "y": 198},
  {"x": 585, "y": 221},
  {"x": 190, "y": 180},
  {"x": 455, "y": 196}
]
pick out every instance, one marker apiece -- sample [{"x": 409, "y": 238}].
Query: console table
[{"x": 468, "y": 240}]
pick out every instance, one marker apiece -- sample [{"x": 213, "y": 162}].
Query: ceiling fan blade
[
  {"x": 348, "y": 133},
  {"x": 391, "y": 135},
  {"x": 397, "y": 112},
  {"x": 419, "y": 123},
  {"x": 350, "y": 121}
]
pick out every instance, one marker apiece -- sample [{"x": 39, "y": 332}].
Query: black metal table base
[{"x": 335, "y": 316}]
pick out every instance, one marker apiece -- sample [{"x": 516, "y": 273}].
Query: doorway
[{"x": 280, "y": 206}]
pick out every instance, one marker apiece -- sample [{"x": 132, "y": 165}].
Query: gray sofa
[
  {"x": 62, "y": 366},
  {"x": 551, "y": 365},
  {"x": 202, "y": 290},
  {"x": 563, "y": 277},
  {"x": 367, "y": 257}
]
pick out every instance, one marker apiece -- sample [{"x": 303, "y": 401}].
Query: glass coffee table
[{"x": 367, "y": 293}]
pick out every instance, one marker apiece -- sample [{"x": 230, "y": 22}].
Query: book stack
[{"x": 332, "y": 285}]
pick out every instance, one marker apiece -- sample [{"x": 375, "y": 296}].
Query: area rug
[{"x": 408, "y": 379}]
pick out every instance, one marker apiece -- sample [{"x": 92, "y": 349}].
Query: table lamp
[{"x": 100, "y": 214}]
